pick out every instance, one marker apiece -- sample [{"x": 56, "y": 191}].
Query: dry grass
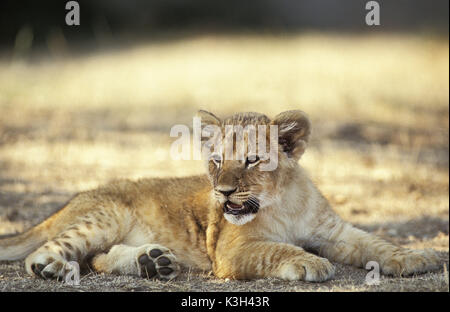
[{"x": 379, "y": 106}]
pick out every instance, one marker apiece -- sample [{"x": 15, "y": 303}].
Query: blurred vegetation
[{"x": 28, "y": 26}]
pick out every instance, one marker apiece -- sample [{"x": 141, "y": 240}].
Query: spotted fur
[{"x": 236, "y": 220}]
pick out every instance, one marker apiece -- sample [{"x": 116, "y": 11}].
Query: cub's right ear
[
  {"x": 208, "y": 118},
  {"x": 210, "y": 124}
]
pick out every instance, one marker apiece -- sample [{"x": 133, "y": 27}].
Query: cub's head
[{"x": 250, "y": 158}]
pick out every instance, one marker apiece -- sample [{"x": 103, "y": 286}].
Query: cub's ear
[
  {"x": 210, "y": 125},
  {"x": 208, "y": 118},
  {"x": 294, "y": 129}
]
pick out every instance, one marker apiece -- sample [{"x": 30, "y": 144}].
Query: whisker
[
  {"x": 251, "y": 198},
  {"x": 253, "y": 201}
]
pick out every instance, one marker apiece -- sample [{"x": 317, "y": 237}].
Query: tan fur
[{"x": 124, "y": 223}]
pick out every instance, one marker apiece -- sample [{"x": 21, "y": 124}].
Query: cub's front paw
[
  {"x": 407, "y": 262},
  {"x": 310, "y": 269},
  {"x": 156, "y": 261}
]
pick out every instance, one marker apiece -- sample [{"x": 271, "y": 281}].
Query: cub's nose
[{"x": 227, "y": 193}]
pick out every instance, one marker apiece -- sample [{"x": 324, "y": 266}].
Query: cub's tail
[
  {"x": 19, "y": 246},
  {"x": 16, "y": 247}
]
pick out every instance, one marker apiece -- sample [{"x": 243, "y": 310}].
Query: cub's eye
[
  {"x": 216, "y": 158},
  {"x": 251, "y": 160}
]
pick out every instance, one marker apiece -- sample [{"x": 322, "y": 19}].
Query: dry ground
[{"x": 380, "y": 152}]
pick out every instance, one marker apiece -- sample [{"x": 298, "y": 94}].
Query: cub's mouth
[{"x": 243, "y": 209}]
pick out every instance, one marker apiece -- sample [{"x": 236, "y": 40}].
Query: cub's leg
[
  {"x": 259, "y": 259},
  {"x": 87, "y": 236},
  {"x": 148, "y": 261},
  {"x": 350, "y": 245}
]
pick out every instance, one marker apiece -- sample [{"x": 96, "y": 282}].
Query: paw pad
[
  {"x": 148, "y": 268},
  {"x": 37, "y": 268},
  {"x": 155, "y": 253},
  {"x": 46, "y": 267},
  {"x": 163, "y": 261},
  {"x": 157, "y": 263}
]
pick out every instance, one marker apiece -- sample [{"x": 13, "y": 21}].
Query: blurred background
[{"x": 81, "y": 105}]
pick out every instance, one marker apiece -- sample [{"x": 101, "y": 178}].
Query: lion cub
[{"x": 237, "y": 220}]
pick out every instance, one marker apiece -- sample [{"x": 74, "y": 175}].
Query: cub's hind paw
[
  {"x": 46, "y": 265},
  {"x": 157, "y": 261}
]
